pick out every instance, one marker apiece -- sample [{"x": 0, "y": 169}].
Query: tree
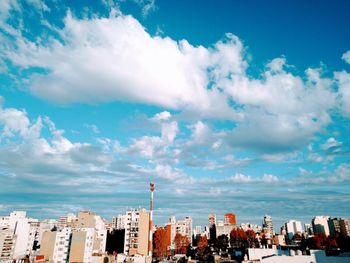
[
  {"x": 222, "y": 242},
  {"x": 202, "y": 247},
  {"x": 238, "y": 238},
  {"x": 263, "y": 240},
  {"x": 160, "y": 243},
  {"x": 181, "y": 244},
  {"x": 251, "y": 239}
]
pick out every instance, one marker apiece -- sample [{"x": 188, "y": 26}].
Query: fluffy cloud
[
  {"x": 343, "y": 81},
  {"x": 205, "y": 82},
  {"x": 331, "y": 144},
  {"x": 133, "y": 65},
  {"x": 346, "y": 57}
]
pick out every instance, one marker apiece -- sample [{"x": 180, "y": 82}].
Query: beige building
[
  {"x": 81, "y": 248},
  {"x": 48, "y": 244},
  {"x": 88, "y": 219},
  {"x": 136, "y": 232}
]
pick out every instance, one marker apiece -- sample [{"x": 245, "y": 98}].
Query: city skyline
[{"x": 227, "y": 107}]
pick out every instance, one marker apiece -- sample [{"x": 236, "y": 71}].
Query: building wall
[
  {"x": 320, "y": 225},
  {"x": 48, "y": 244},
  {"x": 7, "y": 243},
  {"x": 344, "y": 227},
  {"x": 22, "y": 228},
  {"x": 143, "y": 233},
  {"x": 230, "y": 219},
  {"x": 82, "y": 245},
  {"x": 62, "y": 245}
]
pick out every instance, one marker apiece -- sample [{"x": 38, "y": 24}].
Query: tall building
[
  {"x": 320, "y": 225},
  {"x": 212, "y": 228},
  {"x": 24, "y": 232},
  {"x": 230, "y": 219},
  {"x": 7, "y": 244},
  {"x": 212, "y": 219},
  {"x": 197, "y": 230},
  {"x": 344, "y": 227},
  {"x": 119, "y": 222},
  {"x": 88, "y": 219},
  {"x": 137, "y": 232},
  {"x": 293, "y": 227},
  {"x": 183, "y": 227},
  {"x": 268, "y": 226},
  {"x": 308, "y": 229},
  {"x": 56, "y": 245},
  {"x": 334, "y": 226},
  {"x": 82, "y": 243}
]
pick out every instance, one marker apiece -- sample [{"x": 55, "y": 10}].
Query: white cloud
[
  {"x": 331, "y": 143},
  {"x": 92, "y": 127},
  {"x": 205, "y": 82},
  {"x": 269, "y": 178},
  {"x": 343, "y": 81},
  {"x": 161, "y": 116},
  {"x": 201, "y": 134},
  {"x": 148, "y": 6},
  {"x": 241, "y": 178},
  {"x": 346, "y": 57},
  {"x": 133, "y": 65}
]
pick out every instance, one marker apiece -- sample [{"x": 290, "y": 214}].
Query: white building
[
  {"x": 320, "y": 225},
  {"x": 82, "y": 244},
  {"x": 62, "y": 245},
  {"x": 119, "y": 222},
  {"x": 268, "y": 226},
  {"x": 248, "y": 226},
  {"x": 136, "y": 232},
  {"x": 197, "y": 230},
  {"x": 184, "y": 227},
  {"x": 293, "y": 227},
  {"x": 24, "y": 229}
]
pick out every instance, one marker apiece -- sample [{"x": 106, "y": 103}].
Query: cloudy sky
[{"x": 229, "y": 106}]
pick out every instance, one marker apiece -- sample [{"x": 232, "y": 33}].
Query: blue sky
[{"x": 229, "y": 106}]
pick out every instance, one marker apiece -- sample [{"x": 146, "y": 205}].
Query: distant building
[
  {"x": 280, "y": 240},
  {"x": 56, "y": 245},
  {"x": 248, "y": 226},
  {"x": 82, "y": 245},
  {"x": 308, "y": 229},
  {"x": 136, "y": 232},
  {"x": 293, "y": 227},
  {"x": 119, "y": 222},
  {"x": 197, "y": 230},
  {"x": 268, "y": 226},
  {"x": 184, "y": 227},
  {"x": 334, "y": 226},
  {"x": 320, "y": 225},
  {"x": 230, "y": 219},
  {"x": 212, "y": 219},
  {"x": 7, "y": 244},
  {"x": 88, "y": 219},
  {"x": 344, "y": 227},
  {"x": 212, "y": 228}
]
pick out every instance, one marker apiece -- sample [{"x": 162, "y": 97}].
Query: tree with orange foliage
[
  {"x": 160, "y": 243},
  {"x": 238, "y": 238},
  {"x": 251, "y": 239},
  {"x": 202, "y": 247},
  {"x": 181, "y": 244}
]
